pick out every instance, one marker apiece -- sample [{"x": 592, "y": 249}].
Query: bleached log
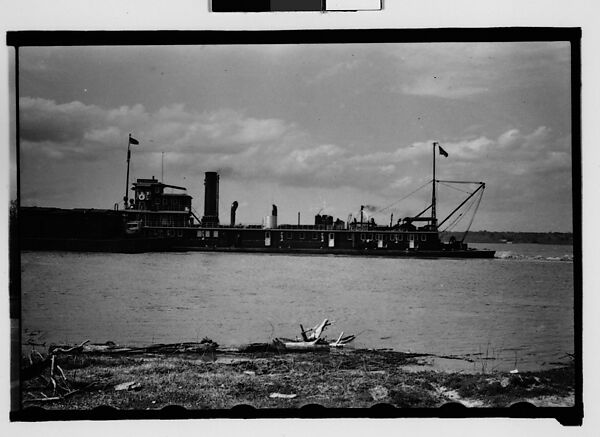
[
  {"x": 291, "y": 345},
  {"x": 318, "y": 330}
]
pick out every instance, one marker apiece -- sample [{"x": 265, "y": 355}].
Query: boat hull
[
  {"x": 114, "y": 245},
  {"x": 469, "y": 253},
  {"x": 104, "y": 231}
]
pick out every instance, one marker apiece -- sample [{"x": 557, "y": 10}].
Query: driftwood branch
[
  {"x": 45, "y": 399},
  {"x": 303, "y": 333},
  {"x": 318, "y": 330},
  {"x": 60, "y": 350},
  {"x": 61, "y": 372},
  {"x": 206, "y": 345}
]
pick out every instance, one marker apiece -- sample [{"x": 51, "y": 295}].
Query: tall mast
[
  {"x": 126, "y": 197},
  {"x": 433, "y": 217}
]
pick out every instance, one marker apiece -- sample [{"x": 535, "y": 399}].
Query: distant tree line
[{"x": 515, "y": 237}]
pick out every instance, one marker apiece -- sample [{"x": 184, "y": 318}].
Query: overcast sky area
[{"x": 308, "y": 127}]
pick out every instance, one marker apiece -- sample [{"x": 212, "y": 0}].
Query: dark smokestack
[
  {"x": 234, "y": 206},
  {"x": 274, "y": 212},
  {"x": 211, "y": 198}
]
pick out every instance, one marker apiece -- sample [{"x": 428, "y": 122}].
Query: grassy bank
[{"x": 338, "y": 379}]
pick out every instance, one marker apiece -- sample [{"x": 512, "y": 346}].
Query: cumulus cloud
[
  {"x": 232, "y": 127},
  {"x": 272, "y": 149},
  {"x": 107, "y": 135},
  {"x": 45, "y": 120},
  {"x": 521, "y": 169}
]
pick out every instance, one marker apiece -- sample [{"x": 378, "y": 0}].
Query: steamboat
[{"x": 155, "y": 219}]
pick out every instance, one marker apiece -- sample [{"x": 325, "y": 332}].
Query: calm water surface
[{"x": 515, "y": 307}]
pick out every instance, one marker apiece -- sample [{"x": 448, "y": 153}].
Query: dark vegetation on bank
[
  {"x": 206, "y": 378},
  {"x": 515, "y": 237}
]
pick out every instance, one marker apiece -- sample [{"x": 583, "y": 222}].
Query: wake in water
[{"x": 512, "y": 255}]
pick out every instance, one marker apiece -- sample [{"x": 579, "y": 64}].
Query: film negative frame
[{"x": 565, "y": 415}]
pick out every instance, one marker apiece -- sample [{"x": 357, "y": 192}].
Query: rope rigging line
[
  {"x": 458, "y": 218},
  {"x": 458, "y": 182},
  {"x": 467, "y": 208},
  {"x": 454, "y": 188},
  {"x": 452, "y": 223},
  {"x": 405, "y": 197},
  {"x": 473, "y": 216}
]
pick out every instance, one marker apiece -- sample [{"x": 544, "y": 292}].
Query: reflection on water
[{"x": 516, "y": 309}]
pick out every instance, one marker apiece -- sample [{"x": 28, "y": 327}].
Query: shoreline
[{"x": 200, "y": 376}]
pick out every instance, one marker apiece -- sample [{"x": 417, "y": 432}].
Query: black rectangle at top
[
  {"x": 266, "y": 5},
  {"x": 241, "y": 6},
  {"x": 323, "y": 36},
  {"x": 297, "y": 5}
]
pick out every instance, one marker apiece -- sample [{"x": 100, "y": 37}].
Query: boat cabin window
[
  {"x": 315, "y": 235},
  {"x": 302, "y": 235},
  {"x": 267, "y": 234},
  {"x": 411, "y": 237},
  {"x": 216, "y": 234},
  {"x": 350, "y": 236},
  {"x": 362, "y": 237},
  {"x": 423, "y": 237}
]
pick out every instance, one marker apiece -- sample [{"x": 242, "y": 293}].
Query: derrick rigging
[{"x": 471, "y": 203}]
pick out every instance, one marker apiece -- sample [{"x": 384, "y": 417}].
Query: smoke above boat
[{"x": 371, "y": 208}]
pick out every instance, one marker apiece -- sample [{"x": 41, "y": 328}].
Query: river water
[{"x": 516, "y": 310}]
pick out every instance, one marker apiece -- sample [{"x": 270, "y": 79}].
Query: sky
[{"x": 311, "y": 128}]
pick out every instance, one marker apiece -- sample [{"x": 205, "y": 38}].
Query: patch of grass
[
  {"x": 411, "y": 398},
  {"x": 332, "y": 380},
  {"x": 501, "y": 389}
]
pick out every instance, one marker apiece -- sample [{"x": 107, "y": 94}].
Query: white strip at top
[{"x": 353, "y": 5}]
